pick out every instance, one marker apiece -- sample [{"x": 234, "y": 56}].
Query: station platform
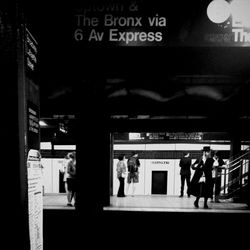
[
  {"x": 164, "y": 203},
  {"x": 55, "y": 201},
  {"x": 161, "y": 203}
]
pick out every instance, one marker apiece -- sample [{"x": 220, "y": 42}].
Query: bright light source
[
  {"x": 45, "y": 146},
  {"x": 218, "y": 11},
  {"x": 134, "y": 136},
  {"x": 240, "y": 10},
  {"x": 43, "y": 124},
  {"x": 65, "y": 147}
]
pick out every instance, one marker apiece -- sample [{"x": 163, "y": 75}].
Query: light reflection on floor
[{"x": 172, "y": 203}]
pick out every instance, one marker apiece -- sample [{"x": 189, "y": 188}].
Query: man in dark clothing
[{"x": 185, "y": 172}]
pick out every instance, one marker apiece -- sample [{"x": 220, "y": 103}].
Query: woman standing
[
  {"x": 71, "y": 178},
  {"x": 202, "y": 184},
  {"x": 121, "y": 171}
]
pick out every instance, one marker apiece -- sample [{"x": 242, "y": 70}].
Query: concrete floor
[
  {"x": 55, "y": 201},
  {"x": 152, "y": 203},
  {"x": 172, "y": 203}
]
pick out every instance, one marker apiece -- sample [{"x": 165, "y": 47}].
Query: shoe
[
  {"x": 188, "y": 195},
  {"x": 181, "y": 195},
  {"x": 196, "y": 204},
  {"x": 69, "y": 205},
  {"x": 206, "y": 206}
]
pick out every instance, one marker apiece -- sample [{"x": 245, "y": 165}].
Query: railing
[{"x": 235, "y": 175}]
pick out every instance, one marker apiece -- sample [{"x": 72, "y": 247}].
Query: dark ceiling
[{"x": 170, "y": 81}]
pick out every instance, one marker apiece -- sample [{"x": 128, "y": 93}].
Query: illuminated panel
[
  {"x": 65, "y": 147},
  {"x": 133, "y": 147},
  {"x": 240, "y": 10},
  {"x": 45, "y": 146}
]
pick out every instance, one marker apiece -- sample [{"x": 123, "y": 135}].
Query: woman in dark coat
[{"x": 203, "y": 168}]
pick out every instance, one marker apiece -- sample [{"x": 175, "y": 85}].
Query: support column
[
  {"x": 19, "y": 128},
  {"x": 12, "y": 127}
]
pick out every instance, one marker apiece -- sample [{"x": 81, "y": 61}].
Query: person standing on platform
[
  {"x": 201, "y": 184},
  {"x": 71, "y": 179},
  {"x": 121, "y": 173},
  {"x": 219, "y": 164},
  {"x": 65, "y": 176},
  {"x": 133, "y": 165},
  {"x": 185, "y": 172}
]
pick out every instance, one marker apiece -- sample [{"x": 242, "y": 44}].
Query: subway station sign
[{"x": 183, "y": 23}]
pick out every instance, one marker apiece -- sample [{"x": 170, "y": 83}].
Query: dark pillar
[
  {"x": 12, "y": 127},
  {"x": 19, "y": 96}
]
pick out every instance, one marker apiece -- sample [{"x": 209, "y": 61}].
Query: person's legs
[
  {"x": 135, "y": 180},
  {"x": 213, "y": 188},
  {"x": 69, "y": 193},
  {"x": 128, "y": 183},
  {"x": 119, "y": 189},
  {"x": 122, "y": 186},
  {"x": 205, "y": 202},
  {"x": 217, "y": 188},
  {"x": 133, "y": 188},
  {"x": 182, "y": 184},
  {"x": 196, "y": 202},
  {"x": 73, "y": 190},
  {"x": 188, "y": 184}
]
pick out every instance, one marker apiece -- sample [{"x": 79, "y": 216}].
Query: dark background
[{"x": 192, "y": 82}]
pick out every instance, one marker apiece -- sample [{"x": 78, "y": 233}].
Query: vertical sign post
[{"x": 34, "y": 167}]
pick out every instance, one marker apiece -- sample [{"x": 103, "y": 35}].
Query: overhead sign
[
  {"x": 116, "y": 23},
  {"x": 189, "y": 23},
  {"x": 231, "y": 22}
]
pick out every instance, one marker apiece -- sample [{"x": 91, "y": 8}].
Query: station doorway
[{"x": 159, "y": 182}]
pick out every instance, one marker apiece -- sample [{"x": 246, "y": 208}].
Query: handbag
[{"x": 202, "y": 179}]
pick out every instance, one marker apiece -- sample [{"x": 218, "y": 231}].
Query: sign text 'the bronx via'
[{"x": 119, "y": 24}]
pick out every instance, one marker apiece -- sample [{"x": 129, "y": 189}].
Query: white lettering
[
  {"x": 94, "y": 35},
  {"x": 87, "y": 21},
  {"x": 241, "y": 36},
  {"x": 110, "y": 20},
  {"x": 157, "y": 21},
  {"x": 129, "y": 37}
]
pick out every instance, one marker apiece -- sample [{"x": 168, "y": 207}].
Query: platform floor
[
  {"x": 173, "y": 203},
  {"x": 55, "y": 201},
  {"x": 152, "y": 203}
]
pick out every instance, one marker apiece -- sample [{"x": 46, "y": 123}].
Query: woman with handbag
[
  {"x": 121, "y": 173},
  {"x": 201, "y": 184}
]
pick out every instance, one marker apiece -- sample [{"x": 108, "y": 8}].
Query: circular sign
[{"x": 218, "y": 11}]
